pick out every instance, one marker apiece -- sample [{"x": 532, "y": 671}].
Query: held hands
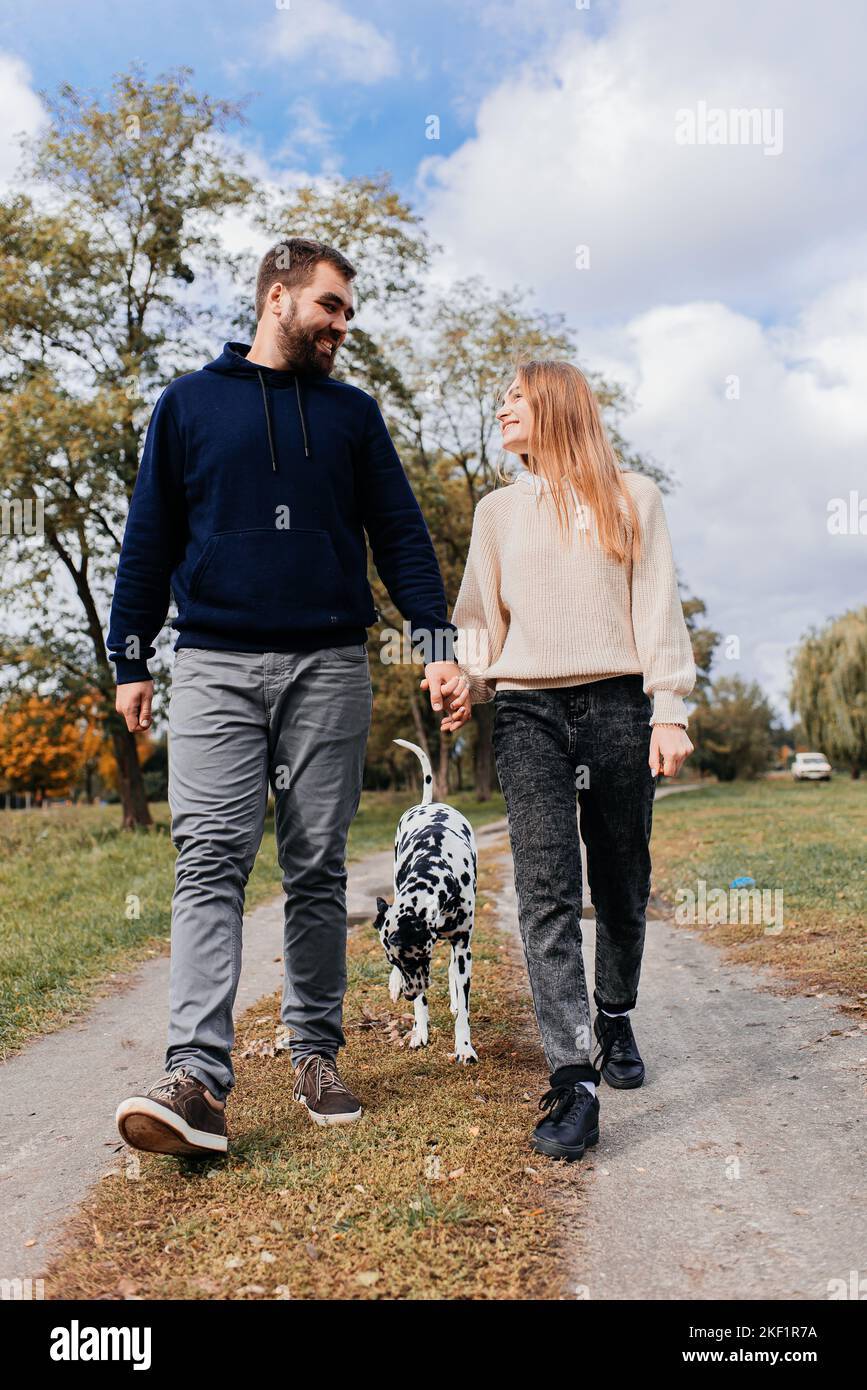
[
  {"x": 669, "y": 749},
  {"x": 448, "y": 685},
  {"x": 134, "y": 701}
]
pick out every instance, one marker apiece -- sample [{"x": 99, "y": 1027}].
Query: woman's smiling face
[{"x": 515, "y": 417}]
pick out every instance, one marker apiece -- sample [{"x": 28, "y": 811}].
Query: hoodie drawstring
[
  {"x": 268, "y": 420},
  {"x": 301, "y": 413}
]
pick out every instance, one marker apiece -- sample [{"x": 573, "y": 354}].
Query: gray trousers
[{"x": 237, "y": 722}]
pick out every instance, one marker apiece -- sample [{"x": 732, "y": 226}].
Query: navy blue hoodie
[{"x": 252, "y": 500}]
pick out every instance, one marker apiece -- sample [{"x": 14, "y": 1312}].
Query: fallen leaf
[{"x": 368, "y": 1278}]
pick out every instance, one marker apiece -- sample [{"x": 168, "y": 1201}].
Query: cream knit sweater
[{"x": 534, "y": 612}]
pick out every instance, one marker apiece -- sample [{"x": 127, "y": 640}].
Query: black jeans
[{"x": 545, "y": 741}]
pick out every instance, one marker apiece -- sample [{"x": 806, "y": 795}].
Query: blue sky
[
  {"x": 722, "y": 281},
  {"x": 446, "y": 55}
]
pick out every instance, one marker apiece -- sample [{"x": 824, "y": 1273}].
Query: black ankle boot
[
  {"x": 571, "y": 1125},
  {"x": 618, "y": 1058}
]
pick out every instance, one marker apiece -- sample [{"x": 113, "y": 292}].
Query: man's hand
[
  {"x": 447, "y": 684},
  {"x": 669, "y": 749},
  {"x": 134, "y": 702}
]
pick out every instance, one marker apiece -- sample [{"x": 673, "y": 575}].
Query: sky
[{"x": 592, "y": 154}]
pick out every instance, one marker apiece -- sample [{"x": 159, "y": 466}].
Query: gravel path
[{"x": 737, "y": 1170}]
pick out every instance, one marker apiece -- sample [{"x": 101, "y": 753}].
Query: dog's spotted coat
[{"x": 434, "y": 898}]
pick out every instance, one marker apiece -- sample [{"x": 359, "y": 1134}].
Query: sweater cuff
[
  {"x": 481, "y": 691},
  {"x": 668, "y": 708},
  {"x": 128, "y": 671}
]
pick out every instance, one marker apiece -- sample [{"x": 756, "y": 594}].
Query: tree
[
  {"x": 43, "y": 746},
  {"x": 829, "y": 689},
  {"x": 383, "y": 238},
  {"x": 455, "y": 373},
  {"x": 731, "y": 728},
  {"x": 104, "y": 296},
  {"x": 704, "y": 642}
]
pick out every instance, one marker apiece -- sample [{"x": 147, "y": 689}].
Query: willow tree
[
  {"x": 111, "y": 254},
  {"x": 829, "y": 689}
]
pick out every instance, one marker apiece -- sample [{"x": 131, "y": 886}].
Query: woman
[{"x": 570, "y": 619}]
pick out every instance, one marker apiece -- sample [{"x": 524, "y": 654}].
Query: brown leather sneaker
[
  {"x": 175, "y": 1117},
  {"x": 318, "y": 1086}
]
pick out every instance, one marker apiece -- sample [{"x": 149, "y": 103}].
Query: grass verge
[
  {"x": 434, "y": 1194},
  {"x": 806, "y": 840}
]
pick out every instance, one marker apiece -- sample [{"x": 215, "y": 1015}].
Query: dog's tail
[{"x": 427, "y": 794}]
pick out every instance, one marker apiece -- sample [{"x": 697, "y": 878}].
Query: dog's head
[{"x": 408, "y": 940}]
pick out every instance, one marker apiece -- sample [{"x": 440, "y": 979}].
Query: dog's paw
[
  {"x": 466, "y": 1054},
  {"x": 417, "y": 1039}
]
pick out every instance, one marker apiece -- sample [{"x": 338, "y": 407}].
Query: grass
[
  {"x": 804, "y": 839},
  {"x": 434, "y": 1194},
  {"x": 81, "y": 899}
]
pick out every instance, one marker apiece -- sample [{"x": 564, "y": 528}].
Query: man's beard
[{"x": 298, "y": 348}]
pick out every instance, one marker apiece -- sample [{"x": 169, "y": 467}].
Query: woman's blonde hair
[{"x": 569, "y": 445}]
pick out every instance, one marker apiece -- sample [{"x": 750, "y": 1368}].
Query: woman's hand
[
  {"x": 669, "y": 749},
  {"x": 456, "y": 694}
]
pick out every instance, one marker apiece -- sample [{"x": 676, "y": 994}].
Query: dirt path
[
  {"x": 737, "y": 1171},
  {"x": 58, "y": 1096}
]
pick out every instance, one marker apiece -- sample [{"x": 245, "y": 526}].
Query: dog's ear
[{"x": 381, "y": 908}]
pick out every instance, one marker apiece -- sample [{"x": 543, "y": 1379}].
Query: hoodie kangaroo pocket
[{"x": 264, "y": 581}]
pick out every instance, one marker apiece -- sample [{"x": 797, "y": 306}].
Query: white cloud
[
  {"x": 577, "y": 147},
  {"x": 749, "y": 518},
  {"x": 21, "y": 112},
  {"x": 331, "y": 43},
  {"x": 706, "y": 262},
  {"x": 309, "y": 136}
]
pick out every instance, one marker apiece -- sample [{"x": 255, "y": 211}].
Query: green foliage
[
  {"x": 731, "y": 729},
  {"x": 96, "y": 315},
  {"x": 829, "y": 689}
]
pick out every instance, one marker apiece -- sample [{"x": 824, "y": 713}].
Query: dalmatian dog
[{"x": 434, "y": 898}]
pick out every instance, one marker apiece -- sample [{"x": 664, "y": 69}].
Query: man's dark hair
[{"x": 293, "y": 262}]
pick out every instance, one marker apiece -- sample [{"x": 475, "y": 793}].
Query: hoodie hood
[{"x": 232, "y": 361}]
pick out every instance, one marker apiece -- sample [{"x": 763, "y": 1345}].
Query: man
[{"x": 259, "y": 477}]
